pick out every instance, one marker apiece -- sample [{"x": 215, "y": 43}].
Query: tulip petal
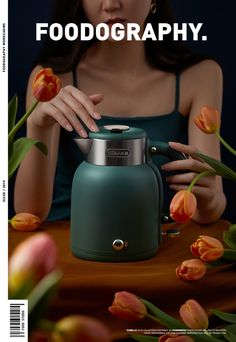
[
  {"x": 207, "y": 248},
  {"x": 46, "y": 85},
  {"x": 127, "y": 306},
  {"x": 193, "y": 315},
  {"x": 183, "y": 206},
  {"x": 191, "y": 270}
]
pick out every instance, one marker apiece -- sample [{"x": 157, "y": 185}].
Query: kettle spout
[{"x": 83, "y": 144}]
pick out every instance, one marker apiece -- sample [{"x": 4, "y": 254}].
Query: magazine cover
[{"x": 118, "y": 180}]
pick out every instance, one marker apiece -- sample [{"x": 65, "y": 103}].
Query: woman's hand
[
  {"x": 205, "y": 189},
  {"x": 69, "y": 108}
]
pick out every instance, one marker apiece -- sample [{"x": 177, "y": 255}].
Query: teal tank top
[{"x": 168, "y": 127}]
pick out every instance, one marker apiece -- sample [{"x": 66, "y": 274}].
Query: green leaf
[
  {"x": 12, "y": 110},
  {"x": 40, "y": 297},
  {"x": 220, "y": 168},
  {"x": 225, "y": 316},
  {"x": 142, "y": 338},
  {"x": 229, "y": 254},
  {"x": 232, "y": 228},
  {"x": 230, "y": 238},
  {"x": 164, "y": 319},
  {"x": 20, "y": 148},
  {"x": 230, "y": 333},
  {"x": 219, "y": 262}
]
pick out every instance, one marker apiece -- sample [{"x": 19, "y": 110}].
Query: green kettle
[{"x": 117, "y": 196}]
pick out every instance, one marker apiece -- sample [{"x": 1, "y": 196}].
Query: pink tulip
[
  {"x": 127, "y": 306},
  {"x": 207, "y": 248},
  {"x": 208, "y": 120},
  {"x": 191, "y": 270},
  {"x": 25, "y": 222},
  {"x": 80, "y": 328},
  {"x": 193, "y": 315},
  {"x": 174, "y": 338},
  {"x": 31, "y": 261},
  {"x": 183, "y": 206}
]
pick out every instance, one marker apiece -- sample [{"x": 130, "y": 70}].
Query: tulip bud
[
  {"x": 127, "y": 306},
  {"x": 174, "y": 338},
  {"x": 207, "y": 248},
  {"x": 193, "y": 315},
  {"x": 208, "y": 120},
  {"x": 25, "y": 222},
  {"x": 191, "y": 270},
  {"x": 46, "y": 85},
  {"x": 80, "y": 328},
  {"x": 32, "y": 259},
  {"x": 183, "y": 206}
]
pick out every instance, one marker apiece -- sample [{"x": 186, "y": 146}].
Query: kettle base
[{"x": 113, "y": 257}]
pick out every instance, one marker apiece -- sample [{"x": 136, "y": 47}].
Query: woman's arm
[
  {"x": 203, "y": 82},
  {"x": 35, "y": 177}
]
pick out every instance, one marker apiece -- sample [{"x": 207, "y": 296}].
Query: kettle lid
[{"x": 118, "y": 132}]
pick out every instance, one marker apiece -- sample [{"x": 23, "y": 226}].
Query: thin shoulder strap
[
  {"x": 74, "y": 78},
  {"x": 177, "y": 91}
]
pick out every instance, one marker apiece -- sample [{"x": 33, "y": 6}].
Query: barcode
[{"x": 18, "y": 320}]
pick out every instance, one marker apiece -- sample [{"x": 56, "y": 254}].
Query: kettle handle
[{"x": 163, "y": 148}]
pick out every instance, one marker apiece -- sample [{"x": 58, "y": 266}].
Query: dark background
[{"x": 218, "y": 19}]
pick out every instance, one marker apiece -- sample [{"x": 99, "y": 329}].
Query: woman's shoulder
[{"x": 204, "y": 69}]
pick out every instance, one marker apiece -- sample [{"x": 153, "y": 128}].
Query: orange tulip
[
  {"x": 183, "y": 206},
  {"x": 80, "y": 328},
  {"x": 193, "y": 315},
  {"x": 32, "y": 259},
  {"x": 207, "y": 248},
  {"x": 208, "y": 120},
  {"x": 174, "y": 338},
  {"x": 127, "y": 306},
  {"x": 46, "y": 85},
  {"x": 25, "y": 222},
  {"x": 191, "y": 270}
]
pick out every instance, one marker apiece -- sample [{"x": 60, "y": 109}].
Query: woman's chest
[{"x": 148, "y": 94}]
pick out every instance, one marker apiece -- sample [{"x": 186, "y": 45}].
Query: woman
[{"x": 158, "y": 86}]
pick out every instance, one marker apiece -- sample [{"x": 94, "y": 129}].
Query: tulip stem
[
  {"x": 226, "y": 145},
  {"x": 153, "y": 318},
  {"x": 200, "y": 175},
  {"x": 21, "y": 121}
]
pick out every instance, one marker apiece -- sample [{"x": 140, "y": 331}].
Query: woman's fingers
[
  {"x": 187, "y": 178},
  {"x": 84, "y": 100},
  {"x": 186, "y": 164},
  {"x": 199, "y": 191},
  {"x": 96, "y": 98},
  {"x": 76, "y": 106},
  {"x": 187, "y": 149},
  {"x": 65, "y": 117}
]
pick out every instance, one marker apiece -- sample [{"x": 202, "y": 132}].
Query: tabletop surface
[{"x": 88, "y": 287}]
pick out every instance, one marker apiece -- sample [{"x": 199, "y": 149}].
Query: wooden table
[{"x": 89, "y": 287}]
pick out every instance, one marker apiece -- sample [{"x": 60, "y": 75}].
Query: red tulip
[
  {"x": 46, "y": 85},
  {"x": 80, "y": 328},
  {"x": 32, "y": 259},
  {"x": 174, "y": 338},
  {"x": 208, "y": 120},
  {"x": 191, "y": 270},
  {"x": 25, "y": 222},
  {"x": 183, "y": 206},
  {"x": 193, "y": 315},
  {"x": 127, "y": 306},
  {"x": 207, "y": 248}
]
